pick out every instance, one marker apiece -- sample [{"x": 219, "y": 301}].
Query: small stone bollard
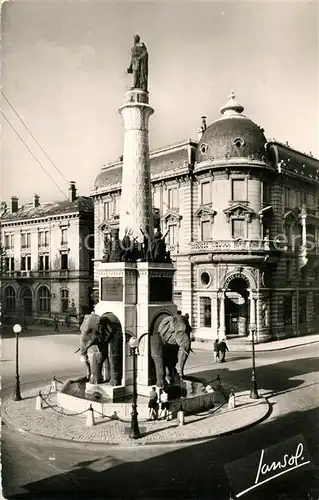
[
  {"x": 39, "y": 402},
  {"x": 54, "y": 385},
  {"x": 232, "y": 400},
  {"x": 181, "y": 416},
  {"x": 90, "y": 417}
]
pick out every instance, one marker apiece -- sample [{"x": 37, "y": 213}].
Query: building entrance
[{"x": 236, "y": 307}]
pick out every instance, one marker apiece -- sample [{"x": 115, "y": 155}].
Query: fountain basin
[{"x": 192, "y": 397}]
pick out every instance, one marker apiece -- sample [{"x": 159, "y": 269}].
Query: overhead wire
[
  {"x": 33, "y": 137},
  {"x": 31, "y": 153}
]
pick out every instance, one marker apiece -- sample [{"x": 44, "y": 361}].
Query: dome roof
[{"x": 232, "y": 135}]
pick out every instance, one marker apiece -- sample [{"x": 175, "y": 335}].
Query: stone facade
[
  {"x": 242, "y": 220},
  {"x": 49, "y": 260}
]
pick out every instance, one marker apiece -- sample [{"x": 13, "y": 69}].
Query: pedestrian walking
[
  {"x": 222, "y": 350},
  {"x": 153, "y": 404},
  {"x": 56, "y": 323},
  {"x": 216, "y": 351},
  {"x": 163, "y": 403}
]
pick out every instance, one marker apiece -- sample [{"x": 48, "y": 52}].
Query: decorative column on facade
[
  {"x": 136, "y": 207},
  {"x": 221, "y": 329}
]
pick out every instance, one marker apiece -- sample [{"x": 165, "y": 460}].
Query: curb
[
  {"x": 261, "y": 350},
  {"x": 134, "y": 443}
]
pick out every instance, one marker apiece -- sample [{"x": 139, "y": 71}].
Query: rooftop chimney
[
  {"x": 14, "y": 204},
  {"x": 36, "y": 200},
  {"x": 72, "y": 190}
]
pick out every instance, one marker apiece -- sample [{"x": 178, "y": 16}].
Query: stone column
[
  {"x": 222, "y": 329},
  {"x": 136, "y": 205}
]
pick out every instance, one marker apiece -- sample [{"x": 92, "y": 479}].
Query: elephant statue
[
  {"x": 101, "y": 346},
  {"x": 170, "y": 334}
]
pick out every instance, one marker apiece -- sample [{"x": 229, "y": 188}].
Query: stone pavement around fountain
[{"x": 53, "y": 422}]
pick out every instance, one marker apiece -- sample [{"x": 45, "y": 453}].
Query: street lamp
[
  {"x": 254, "y": 391},
  {"x": 17, "y": 394},
  {"x": 135, "y": 431},
  {"x": 134, "y": 343}
]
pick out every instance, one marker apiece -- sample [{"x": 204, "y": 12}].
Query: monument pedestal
[{"x": 136, "y": 293}]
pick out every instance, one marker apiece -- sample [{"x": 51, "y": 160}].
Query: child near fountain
[{"x": 153, "y": 404}]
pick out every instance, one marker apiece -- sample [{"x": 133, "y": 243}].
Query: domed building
[{"x": 241, "y": 215}]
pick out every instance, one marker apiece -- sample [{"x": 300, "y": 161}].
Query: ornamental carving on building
[
  {"x": 239, "y": 211},
  {"x": 205, "y": 212},
  {"x": 172, "y": 217}
]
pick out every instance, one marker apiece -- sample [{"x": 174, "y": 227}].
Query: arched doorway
[
  {"x": 26, "y": 297},
  {"x": 237, "y": 307}
]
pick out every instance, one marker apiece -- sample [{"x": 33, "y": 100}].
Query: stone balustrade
[{"x": 229, "y": 245}]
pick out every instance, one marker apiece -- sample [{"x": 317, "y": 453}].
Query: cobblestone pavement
[{"x": 51, "y": 422}]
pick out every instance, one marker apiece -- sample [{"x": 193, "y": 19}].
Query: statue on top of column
[{"x": 139, "y": 64}]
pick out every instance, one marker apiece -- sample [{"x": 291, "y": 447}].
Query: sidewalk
[
  {"x": 56, "y": 423},
  {"x": 244, "y": 345}
]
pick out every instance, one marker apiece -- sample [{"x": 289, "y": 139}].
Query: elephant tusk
[{"x": 76, "y": 351}]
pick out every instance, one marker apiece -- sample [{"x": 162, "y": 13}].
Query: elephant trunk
[{"x": 185, "y": 347}]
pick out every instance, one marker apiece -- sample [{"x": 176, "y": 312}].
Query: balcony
[
  {"x": 239, "y": 245},
  {"x": 23, "y": 274}
]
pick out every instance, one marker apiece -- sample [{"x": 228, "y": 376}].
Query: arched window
[
  {"x": 64, "y": 300},
  {"x": 26, "y": 296},
  {"x": 205, "y": 305},
  {"x": 43, "y": 299},
  {"x": 10, "y": 298}
]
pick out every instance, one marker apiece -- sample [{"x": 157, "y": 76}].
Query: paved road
[{"x": 37, "y": 469}]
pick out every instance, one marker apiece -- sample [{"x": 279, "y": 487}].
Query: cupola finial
[{"x": 232, "y": 107}]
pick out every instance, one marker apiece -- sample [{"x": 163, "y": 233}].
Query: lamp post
[
  {"x": 17, "y": 394},
  {"x": 135, "y": 431},
  {"x": 254, "y": 391},
  {"x": 134, "y": 344}
]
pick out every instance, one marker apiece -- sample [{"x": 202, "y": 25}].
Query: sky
[{"x": 64, "y": 71}]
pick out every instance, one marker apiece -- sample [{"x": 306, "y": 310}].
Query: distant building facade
[
  {"x": 242, "y": 215},
  {"x": 48, "y": 259}
]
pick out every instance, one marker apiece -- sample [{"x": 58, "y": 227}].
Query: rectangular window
[
  {"x": 172, "y": 198},
  {"x": 238, "y": 190},
  {"x": 7, "y": 241},
  {"x": 238, "y": 228},
  {"x": 311, "y": 199},
  {"x": 205, "y": 193},
  {"x": 23, "y": 263},
  {"x": 172, "y": 234},
  {"x": 117, "y": 205},
  {"x": 266, "y": 193},
  {"x": 302, "y": 308},
  {"x": 28, "y": 240},
  {"x": 11, "y": 263},
  {"x": 107, "y": 210},
  {"x": 28, "y": 263},
  {"x": 23, "y": 240},
  {"x": 64, "y": 261},
  {"x": 43, "y": 238},
  {"x": 292, "y": 198},
  {"x": 64, "y": 236},
  {"x": 205, "y": 304},
  {"x": 7, "y": 265},
  {"x": 303, "y": 197},
  {"x": 41, "y": 263},
  {"x": 46, "y": 263},
  {"x": 157, "y": 199},
  {"x": 206, "y": 230},
  {"x": 287, "y": 310}
]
